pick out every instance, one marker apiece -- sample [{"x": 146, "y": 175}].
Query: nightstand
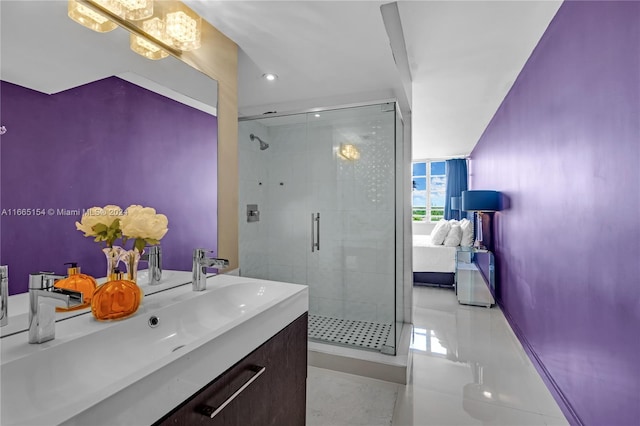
[{"x": 472, "y": 286}]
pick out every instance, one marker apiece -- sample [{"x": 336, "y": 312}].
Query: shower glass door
[{"x": 326, "y": 194}]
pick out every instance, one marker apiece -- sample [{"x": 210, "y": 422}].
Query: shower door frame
[{"x": 400, "y": 168}]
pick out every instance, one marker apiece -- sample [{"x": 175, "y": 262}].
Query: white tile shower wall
[
  {"x": 352, "y": 276},
  {"x": 353, "y": 253},
  {"x": 252, "y": 190},
  {"x": 287, "y": 209}
]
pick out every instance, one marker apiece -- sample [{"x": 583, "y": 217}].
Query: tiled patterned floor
[{"x": 368, "y": 335}]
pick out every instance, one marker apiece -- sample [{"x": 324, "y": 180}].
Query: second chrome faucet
[
  {"x": 154, "y": 258},
  {"x": 43, "y": 297},
  {"x": 200, "y": 264}
]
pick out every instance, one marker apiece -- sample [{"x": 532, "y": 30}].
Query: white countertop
[{"x": 92, "y": 371}]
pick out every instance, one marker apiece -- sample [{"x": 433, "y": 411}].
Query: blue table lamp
[{"x": 480, "y": 202}]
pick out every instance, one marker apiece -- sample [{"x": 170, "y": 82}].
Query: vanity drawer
[{"x": 267, "y": 387}]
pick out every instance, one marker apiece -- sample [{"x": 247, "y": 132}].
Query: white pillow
[
  {"x": 440, "y": 232},
  {"x": 467, "y": 233},
  {"x": 454, "y": 222},
  {"x": 454, "y": 236}
]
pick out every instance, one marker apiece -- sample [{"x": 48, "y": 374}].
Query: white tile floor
[
  {"x": 468, "y": 369},
  {"x": 340, "y": 399}
]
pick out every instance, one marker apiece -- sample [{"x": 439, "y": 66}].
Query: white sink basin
[
  {"x": 19, "y": 303},
  {"x": 90, "y": 361}
]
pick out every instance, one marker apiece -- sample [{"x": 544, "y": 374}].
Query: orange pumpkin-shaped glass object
[
  {"x": 116, "y": 299},
  {"x": 77, "y": 282}
]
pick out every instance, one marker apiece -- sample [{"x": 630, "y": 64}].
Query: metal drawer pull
[{"x": 211, "y": 412}]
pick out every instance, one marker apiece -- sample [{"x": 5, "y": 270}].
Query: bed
[{"x": 433, "y": 265}]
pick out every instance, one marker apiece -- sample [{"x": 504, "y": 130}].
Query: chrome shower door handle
[
  {"x": 318, "y": 231},
  {"x": 313, "y": 235},
  {"x": 315, "y": 232}
]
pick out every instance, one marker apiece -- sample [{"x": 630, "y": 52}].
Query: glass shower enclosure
[{"x": 318, "y": 206}]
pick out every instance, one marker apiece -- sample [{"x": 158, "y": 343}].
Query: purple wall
[
  {"x": 107, "y": 142},
  {"x": 564, "y": 148}
]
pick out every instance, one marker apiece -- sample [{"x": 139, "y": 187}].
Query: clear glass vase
[
  {"x": 131, "y": 258},
  {"x": 114, "y": 256}
]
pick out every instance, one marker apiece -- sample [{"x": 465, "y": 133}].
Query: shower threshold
[
  {"x": 364, "y": 361},
  {"x": 360, "y": 334}
]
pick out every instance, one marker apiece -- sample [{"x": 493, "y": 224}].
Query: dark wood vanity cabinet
[{"x": 275, "y": 396}]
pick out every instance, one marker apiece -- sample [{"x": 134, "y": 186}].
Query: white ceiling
[
  {"x": 463, "y": 56},
  {"x": 322, "y": 51}
]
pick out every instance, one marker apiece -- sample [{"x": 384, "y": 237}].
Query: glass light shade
[
  {"x": 349, "y": 152},
  {"x": 135, "y": 10},
  {"x": 145, "y": 48},
  {"x": 89, "y": 18},
  {"x": 154, "y": 27},
  {"x": 183, "y": 27}
]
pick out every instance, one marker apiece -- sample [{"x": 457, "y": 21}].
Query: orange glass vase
[
  {"x": 77, "y": 282},
  {"x": 116, "y": 299}
]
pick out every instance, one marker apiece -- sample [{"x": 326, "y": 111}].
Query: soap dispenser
[
  {"x": 77, "y": 281},
  {"x": 118, "y": 298}
]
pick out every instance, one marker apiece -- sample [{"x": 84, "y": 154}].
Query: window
[{"x": 429, "y": 184}]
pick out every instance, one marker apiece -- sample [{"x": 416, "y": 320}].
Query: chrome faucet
[
  {"x": 154, "y": 258},
  {"x": 4, "y": 293},
  {"x": 200, "y": 263},
  {"x": 43, "y": 297}
]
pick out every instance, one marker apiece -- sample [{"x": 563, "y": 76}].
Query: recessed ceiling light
[
  {"x": 269, "y": 76},
  {"x": 317, "y": 115}
]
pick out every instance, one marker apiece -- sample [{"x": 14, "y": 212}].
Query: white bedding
[{"x": 430, "y": 258}]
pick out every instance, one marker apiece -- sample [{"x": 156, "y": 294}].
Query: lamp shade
[
  {"x": 480, "y": 201},
  {"x": 455, "y": 203}
]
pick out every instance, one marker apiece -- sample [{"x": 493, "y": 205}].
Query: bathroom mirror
[{"x": 89, "y": 123}]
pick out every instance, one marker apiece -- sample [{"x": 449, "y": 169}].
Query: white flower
[
  {"x": 138, "y": 223},
  {"x": 90, "y": 218},
  {"x": 101, "y": 223},
  {"x": 143, "y": 223},
  {"x": 112, "y": 213}
]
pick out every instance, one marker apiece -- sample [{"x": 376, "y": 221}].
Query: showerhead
[{"x": 263, "y": 144}]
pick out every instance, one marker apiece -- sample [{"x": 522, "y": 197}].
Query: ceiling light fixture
[
  {"x": 183, "y": 27},
  {"x": 145, "y": 48},
  {"x": 174, "y": 27},
  {"x": 89, "y": 18},
  {"x": 317, "y": 115},
  {"x": 154, "y": 27},
  {"x": 135, "y": 10},
  {"x": 269, "y": 76}
]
